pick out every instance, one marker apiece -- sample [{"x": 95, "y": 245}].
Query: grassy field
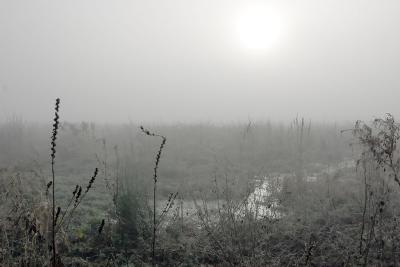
[{"x": 331, "y": 213}]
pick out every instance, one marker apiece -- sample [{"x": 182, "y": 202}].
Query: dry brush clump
[
  {"x": 380, "y": 166},
  {"x": 23, "y": 223}
]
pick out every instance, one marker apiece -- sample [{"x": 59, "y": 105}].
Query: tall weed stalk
[
  {"x": 53, "y": 157},
  {"x": 155, "y": 177}
]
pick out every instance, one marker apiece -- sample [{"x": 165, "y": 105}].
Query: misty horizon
[{"x": 183, "y": 61}]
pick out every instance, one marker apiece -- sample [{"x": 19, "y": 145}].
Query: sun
[{"x": 259, "y": 27}]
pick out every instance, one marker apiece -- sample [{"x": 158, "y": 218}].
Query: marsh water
[{"x": 261, "y": 202}]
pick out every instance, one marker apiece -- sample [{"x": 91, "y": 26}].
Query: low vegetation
[{"x": 260, "y": 194}]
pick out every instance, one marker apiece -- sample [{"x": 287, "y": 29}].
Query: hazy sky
[{"x": 185, "y": 60}]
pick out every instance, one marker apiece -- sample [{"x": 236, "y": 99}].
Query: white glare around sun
[{"x": 259, "y": 28}]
